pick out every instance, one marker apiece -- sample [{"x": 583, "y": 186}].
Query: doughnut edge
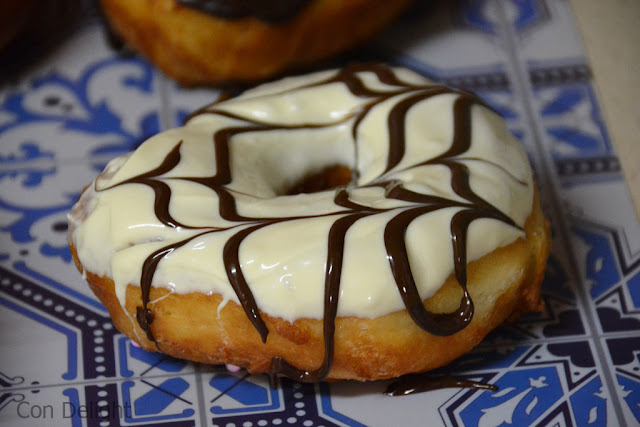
[
  {"x": 224, "y": 51},
  {"x": 192, "y": 326}
]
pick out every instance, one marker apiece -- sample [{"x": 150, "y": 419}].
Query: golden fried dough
[{"x": 197, "y": 48}]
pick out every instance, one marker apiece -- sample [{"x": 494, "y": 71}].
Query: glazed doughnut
[
  {"x": 358, "y": 223},
  {"x": 221, "y": 41}
]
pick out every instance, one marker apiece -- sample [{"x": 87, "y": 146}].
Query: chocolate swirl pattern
[{"x": 404, "y": 186}]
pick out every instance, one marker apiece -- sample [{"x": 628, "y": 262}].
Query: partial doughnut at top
[
  {"x": 221, "y": 41},
  {"x": 357, "y": 223}
]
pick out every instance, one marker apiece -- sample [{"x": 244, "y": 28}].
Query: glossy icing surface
[{"x": 439, "y": 182}]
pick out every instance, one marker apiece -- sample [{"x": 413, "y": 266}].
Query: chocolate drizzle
[
  {"x": 333, "y": 272},
  {"x": 470, "y": 208},
  {"x": 272, "y": 11},
  {"x": 411, "y": 384}
]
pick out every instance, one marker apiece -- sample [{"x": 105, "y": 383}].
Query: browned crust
[
  {"x": 195, "y": 48},
  {"x": 503, "y": 285}
]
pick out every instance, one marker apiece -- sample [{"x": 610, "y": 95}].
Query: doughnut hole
[
  {"x": 327, "y": 179},
  {"x": 280, "y": 163}
]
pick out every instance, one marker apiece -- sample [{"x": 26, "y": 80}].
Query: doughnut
[
  {"x": 222, "y": 41},
  {"x": 14, "y": 17},
  {"x": 359, "y": 223}
]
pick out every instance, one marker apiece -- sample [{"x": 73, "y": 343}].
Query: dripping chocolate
[{"x": 470, "y": 208}]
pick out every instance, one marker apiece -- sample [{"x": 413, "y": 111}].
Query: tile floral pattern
[{"x": 577, "y": 363}]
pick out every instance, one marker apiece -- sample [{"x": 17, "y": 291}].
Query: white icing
[{"x": 115, "y": 228}]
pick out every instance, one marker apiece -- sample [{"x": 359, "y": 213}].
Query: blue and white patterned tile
[
  {"x": 624, "y": 354},
  {"x": 241, "y": 398},
  {"x": 159, "y": 400},
  {"x": 542, "y": 382},
  {"x": 134, "y": 362},
  {"x": 589, "y": 198},
  {"x": 229, "y": 393},
  {"x": 79, "y": 337},
  {"x": 545, "y": 30},
  {"x": 447, "y": 41},
  {"x": 33, "y": 405},
  {"x": 609, "y": 259},
  {"x": 60, "y": 316},
  {"x": 159, "y": 403},
  {"x": 86, "y": 101},
  {"x": 537, "y": 383},
  {"x": 85, "y": 104},
  {"x": 574, "y": 172},
  {"x": 573, "y": 121},
  {"x": 34, "y": 202},
  {"x": 25, "y": 333},
  {"x": 238, "y": 398},
  {"x": 562, "y": 317},
  {"x": 544, "y": 39},
  {"x": 352, "y": 404},
  {"x": 603, "y": 218}
]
